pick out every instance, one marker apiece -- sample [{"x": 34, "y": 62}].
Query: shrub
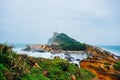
[
  {"x": 2, "y": 69},
  {"x": 117, "y": 66},
  {"x": 74, "y": 47}
]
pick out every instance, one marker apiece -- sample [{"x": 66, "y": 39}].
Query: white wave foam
[{"x": 49, "y": 55}]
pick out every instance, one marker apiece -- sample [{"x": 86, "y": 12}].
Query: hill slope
[
  {"x": 66, "y": 42},
  {"x": 61, "y": 38}
]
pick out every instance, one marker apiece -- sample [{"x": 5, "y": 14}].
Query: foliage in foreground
[{"x": 21, "y": 67}]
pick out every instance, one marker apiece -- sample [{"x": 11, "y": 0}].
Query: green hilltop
[
  {"x": 66, "y": 42},
  {"x": 61, "y": 38}
]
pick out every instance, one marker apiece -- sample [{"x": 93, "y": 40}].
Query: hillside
[
  {"x": 61, "y": 38},
  {"x": 66, "y": 42}
]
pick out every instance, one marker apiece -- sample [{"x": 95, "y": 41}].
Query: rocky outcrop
[
  {"x": 101, "y": 63},
  {"x": 43, "y": 48}
]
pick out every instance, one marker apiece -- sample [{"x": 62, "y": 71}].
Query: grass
[{"x": 22, "y": 67}]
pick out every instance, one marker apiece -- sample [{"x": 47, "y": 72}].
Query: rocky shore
[
  {"x": 101, "y": 63},
  {"x": 54, "y": 51},
  {"x": 98, "y": 61},
  {"x": 43, "y": 48}
]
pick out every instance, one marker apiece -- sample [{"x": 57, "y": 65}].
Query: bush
[
  {"x": 2, "y": 69},
  {"x": 117, "y": 66},
  {"x": 74, "y": 47}
]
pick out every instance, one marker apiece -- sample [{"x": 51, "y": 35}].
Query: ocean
[
  {"x": 111, "y": 48},
  {"x": 115, "y": 49}
]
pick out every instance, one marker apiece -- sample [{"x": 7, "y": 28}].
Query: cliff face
[
  {"x": 101, "y": 63},
  {"x": 61, "y": 38}
]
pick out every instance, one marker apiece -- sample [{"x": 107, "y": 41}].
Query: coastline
[
  {"x": 97, "y": 57},
  {"x": 110, "y": 48}
]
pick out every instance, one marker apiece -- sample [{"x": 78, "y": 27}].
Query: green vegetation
[
  {"x": 74, "y": 47},
  {"x": 64, "y": 39},
  {"x": 22, "y": 67},
  {"x": 2, "y": 68},
  {"x": 117, "y": 66},
  {"x": 67, "y": 43}
]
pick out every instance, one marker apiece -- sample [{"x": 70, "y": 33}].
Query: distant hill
[
  {"x": 61, "y": 38},
  {"x": 66, "y": 42}
]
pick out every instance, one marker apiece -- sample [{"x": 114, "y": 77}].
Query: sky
[{"x": 95, "y": 22}]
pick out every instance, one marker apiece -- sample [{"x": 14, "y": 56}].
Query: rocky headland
[
  {"x": 102, "y": 63},
  {"x": 105, "y": 65}
]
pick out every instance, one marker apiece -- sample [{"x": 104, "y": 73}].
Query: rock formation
[{"x": 101, "y": 63}]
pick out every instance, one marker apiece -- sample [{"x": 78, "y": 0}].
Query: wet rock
[
  {"x": 28, "y": 48},
  {"x": 76, "y": 64},
  {"x": 57, "y": 57},
  {"x": 38, "y": 50},
  {"x": 77, "y": 59},
  {"x": 66, "y": 53},
  {"x": 69, "y": 58}
]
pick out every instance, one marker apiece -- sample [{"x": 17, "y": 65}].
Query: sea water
[{"x": 115, "y": 49}]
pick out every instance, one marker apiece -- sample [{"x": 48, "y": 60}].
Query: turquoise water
[
  {"x": 112, "y": 48},
  {"x": 18, "y": 45}
]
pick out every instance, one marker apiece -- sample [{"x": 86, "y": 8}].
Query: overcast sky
[{"x": 34, "y": 21}]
